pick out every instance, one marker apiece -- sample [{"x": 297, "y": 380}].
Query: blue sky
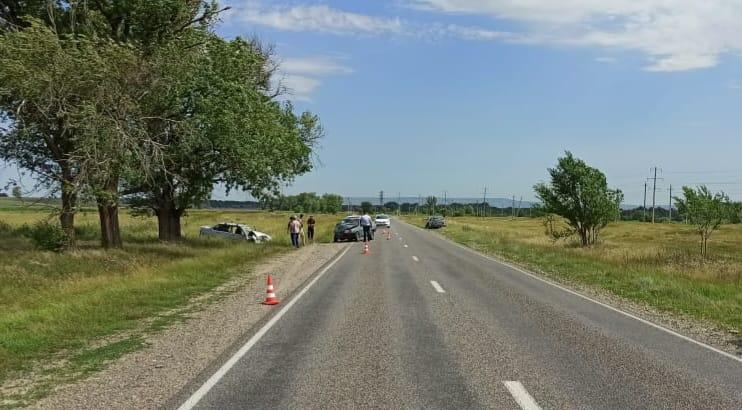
[{"x": 422, "y": 96}]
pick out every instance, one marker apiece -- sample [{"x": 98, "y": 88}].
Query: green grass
[
  {"x": 59, "y": 307},
  {"x": 655, "y": 264}
]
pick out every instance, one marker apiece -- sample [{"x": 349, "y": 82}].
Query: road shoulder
[{"x": 174, "y": 357}]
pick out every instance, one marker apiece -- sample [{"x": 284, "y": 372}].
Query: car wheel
[{"x": 335, "y": 239}]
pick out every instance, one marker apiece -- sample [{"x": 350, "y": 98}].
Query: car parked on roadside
[
  {"x": 234, "y": 231},
  {"x": 350, "y": 229},
  {"x": 383, "y": 220},
  {"x": 435, "y": 222}
]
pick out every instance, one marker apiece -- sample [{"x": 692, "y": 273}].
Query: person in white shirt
[{"x": 367, "y": 224}]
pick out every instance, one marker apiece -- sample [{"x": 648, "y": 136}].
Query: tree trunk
[
  {"x": 584, "y": 238},
  {"x": 108, "y": 212},
  {"x": 67, "y": 217},
  {"x": 110, "y": 233},
  {"x": 168, "y": 221}
]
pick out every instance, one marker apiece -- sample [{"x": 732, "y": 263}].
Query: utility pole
[
  {"x": 381, "y": 199},
  {"x": 399, "y": 203},
  {"x": 520, "y": 203},
  {"x": 484, "y": 202},
  {"x": 654, "y": 191},
  {"x": 670, "y": 209},
  {"x": 512, "y": 208},
  {"x": 644, "y": 209}
]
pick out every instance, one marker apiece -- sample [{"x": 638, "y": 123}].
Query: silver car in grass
[{"x": 234, "y": 231}]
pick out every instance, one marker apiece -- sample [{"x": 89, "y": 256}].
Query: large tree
[
  {"x": 212, "y": 110},
  {"x": 62, "y": 97},
  {"x": 44, "y": 137},
  {"x": 579, "y": 194}
]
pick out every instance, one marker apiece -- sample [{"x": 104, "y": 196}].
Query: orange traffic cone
[
  {"x": 366, "y": 250},
  {"x": 271, "y": 298}
]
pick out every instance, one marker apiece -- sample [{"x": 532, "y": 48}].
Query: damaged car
[{"x": 234, "y": 231}]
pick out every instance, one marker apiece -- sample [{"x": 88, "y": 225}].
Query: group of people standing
[{"x": 296, "y": 230}]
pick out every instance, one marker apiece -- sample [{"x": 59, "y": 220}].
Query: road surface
[{"x": 423, "y": 323}]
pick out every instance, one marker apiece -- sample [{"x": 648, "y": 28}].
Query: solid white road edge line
[
  {"x": 437, "y": 287},
  {"x": 646, "y": 322},
  {"x": 214, "y": 379},
  {"x": 416, "y": 259},
  {"x": 521, "y": 396}
]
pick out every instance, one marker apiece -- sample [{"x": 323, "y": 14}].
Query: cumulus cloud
[
  {"x": 676, "y": 35},
  {"x": 300, "y": 77},
  {"x": 320, "y": 18},
  {"x": 324, "y": 19}
]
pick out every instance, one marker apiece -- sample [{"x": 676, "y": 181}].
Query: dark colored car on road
[
  {"x": 435, "y": 222},
  {"x": 349, "y": 229}
]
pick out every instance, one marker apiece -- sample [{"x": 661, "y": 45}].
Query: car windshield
[
  {"x": 382, "y": 216},
  {"x": 351, "y": 221}
]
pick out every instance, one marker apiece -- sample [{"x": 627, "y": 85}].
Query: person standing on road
[
  {"x": 302, "y": 238},
  {"x": 310, "y": 228},
  {"x": 294, "y": 228},
  {"x": 366, "y": 224}
]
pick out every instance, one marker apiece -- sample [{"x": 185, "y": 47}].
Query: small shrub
[
  {"x": 466, "y": 228},
  {"x": 48, "y": 236},
  {"x": 5, "y": 229}
]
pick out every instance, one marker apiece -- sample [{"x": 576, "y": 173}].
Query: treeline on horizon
[{"x": 308, "y": 202}]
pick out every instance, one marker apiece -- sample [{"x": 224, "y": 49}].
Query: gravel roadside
[{"x": 147, "y": 378}]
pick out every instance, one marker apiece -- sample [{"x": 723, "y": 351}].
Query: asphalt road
[{"x": 423, "y": 323}]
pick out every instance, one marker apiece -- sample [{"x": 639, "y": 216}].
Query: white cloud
[
  {"x": 676, "y": 35},
  {"x": 319, "y": 18},
  {"x": 605, "y": 60},
  {"x": 324, "y": 19},
  {"x": 316, "y": 65},
  {"x": 301, "y": 76}
]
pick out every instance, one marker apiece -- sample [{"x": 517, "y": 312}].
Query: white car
[
  {"x": 234, "y": 231},
  {"x": 383, "y": 220}
]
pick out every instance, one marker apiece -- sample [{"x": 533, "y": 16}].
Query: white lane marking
[
  {"x": 214, "y": 379},
  {"x": 646, "y": 322},
  {"x": 437, "y": 287},
  {"x": 405, "y": 245},
  {"x": 416, "y": 259},
  {"x": 521, "y": 396}
]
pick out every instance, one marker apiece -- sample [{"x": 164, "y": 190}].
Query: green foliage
[
  {"x": 48, "y": 236},
  {"x": 17, "y": 193},
  {"x": 367, "y": 207},
  {"x": 704, "y": 209},
  {"x": 306, "y": 202},
  {"x": 579, "y": 194}
]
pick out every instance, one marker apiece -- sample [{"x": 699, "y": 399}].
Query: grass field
[
  {"x": 657, "y": 264},
  {"x": 62, "y": 315}
]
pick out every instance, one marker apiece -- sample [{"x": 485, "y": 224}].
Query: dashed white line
[
  {"x": 416, "y": 259},
  {"x": 214, "y": 379},
  {"x": 437, "y": 287},
  {"x": 405, "y": 245},
  {"x": 521, "y": 396}
]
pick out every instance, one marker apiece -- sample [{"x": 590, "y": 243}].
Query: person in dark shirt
[{"x": 310, "y": 228}]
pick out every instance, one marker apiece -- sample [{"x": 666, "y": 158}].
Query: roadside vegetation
[{"x": 65, "y": 314}]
